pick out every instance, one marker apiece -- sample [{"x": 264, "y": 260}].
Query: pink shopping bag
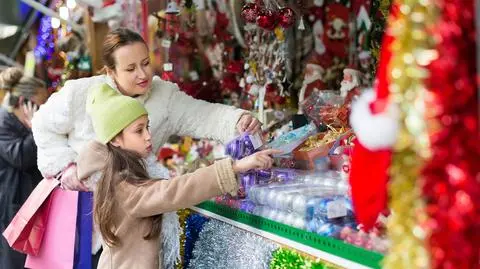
[
  {"x": 57, "y": 250},
  {"x": 25, "y": 231}
]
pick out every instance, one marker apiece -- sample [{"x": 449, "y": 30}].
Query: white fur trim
[
  {"x": 374, "y": 131},
  {"x": 96, "y": 240}
]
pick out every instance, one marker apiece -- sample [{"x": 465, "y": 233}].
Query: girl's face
[
  {"x": 133, "y": 72},
  {"x": 136, "y": 137}
]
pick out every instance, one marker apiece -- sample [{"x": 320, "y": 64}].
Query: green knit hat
[{"x": 111, "y": 112}]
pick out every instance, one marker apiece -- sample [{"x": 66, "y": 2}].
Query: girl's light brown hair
[
  {"x": 114, "y": 40},
  {"x": 121, "y": 166}
]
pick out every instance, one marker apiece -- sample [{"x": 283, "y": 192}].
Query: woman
[
  {"x": 18, "y": 154},
  {"x": 61, "y": 128}
]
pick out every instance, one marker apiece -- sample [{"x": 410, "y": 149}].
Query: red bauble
[
  {"x": 286, "y": 17},
  {"x": 267, "y": 20},
  {"x": 168, "y": 76},
  {"x": 235, "y": 67},
  {"x": 270, "y": 88},
  {"x": 280, "y": 100},
  {"x": 250, "y": 12}
]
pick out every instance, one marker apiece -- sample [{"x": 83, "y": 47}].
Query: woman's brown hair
[
  {"x": 16, "y": 84},
  {"x": 116, "y": 39},
  {"x": 122, "y": 165}
]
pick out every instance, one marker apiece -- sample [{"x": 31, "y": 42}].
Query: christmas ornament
[
  {"x": 450, "y": 177},
  {"x": 267, "y": 19},
  {"x": 369, "y": 200},
  {"x": 301, "y": 25},
  {"x": 336, "y": 29},
  {"x": 286, "y": 17},
  {"x": 172, "y": 21},
  {"x": 412, "y": 51},
  {"x": 250, "y": 12},
  {"x": 167, "y": 72}
]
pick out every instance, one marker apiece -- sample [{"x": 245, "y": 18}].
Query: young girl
[{"x": 128, "y": 205}]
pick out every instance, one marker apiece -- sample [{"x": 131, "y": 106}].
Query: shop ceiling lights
[
  {"x": 71, "y": 4},
  {"x": 63, "y": 12},
  {"x": 7, "y": 30}
]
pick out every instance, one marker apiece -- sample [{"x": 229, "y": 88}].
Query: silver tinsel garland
[{"x": 223, "y": 246}]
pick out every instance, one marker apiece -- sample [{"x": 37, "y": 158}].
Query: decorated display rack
[{"x": 325, "y": 248}]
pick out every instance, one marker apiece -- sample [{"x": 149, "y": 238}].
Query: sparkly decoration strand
[
  {"x": 412, "y": 52},
  {"x": 183, "y": 214},
  {"x": 223, "y": 246},
  {"x": 285, "y": 258},
  {"x": 451, "y": 176},
  {"x": 193, "y": 227}
]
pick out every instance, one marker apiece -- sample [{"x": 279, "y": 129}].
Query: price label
[
  {"x": 336, "y": 209},
  {"x": 167, "y": 67},
  {"x": 256, "y": 140},
  {"x": 194, "y": 76},
  {"x": 166, "y": 43}
]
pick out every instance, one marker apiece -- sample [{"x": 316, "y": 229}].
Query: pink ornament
[
  {"x": 286, "y": 17},
  {"x": 267, "y": 20},
  {"x": 369, "y": 244},
  {"x": 250, "y": 12},
  {"x": 345, "y": 232}
]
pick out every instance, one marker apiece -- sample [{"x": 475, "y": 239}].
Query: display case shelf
[{"x": 326, "y": 248}]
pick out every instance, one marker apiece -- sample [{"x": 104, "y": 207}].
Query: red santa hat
[{"x": 375, "y": 122}]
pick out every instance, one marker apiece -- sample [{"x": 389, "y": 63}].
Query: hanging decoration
[
  {"x": 337, "y": 31},
  {"x": 223, "y": 246},
  {"x": 285, "y": 258},
  {"x": 378, "y": 16},
  {"x": 451, "y": 185},
  {"x": 193, "y": 227},
  {"x": 268, "y": 15},
  {"x": 412, "y": 52},
  {"x": 131, "y": 12},
  {"x": 45, "y": 40},
  {"x": 265, "y": 65},
  {"x": 183, "y": 215},
  {"x": 374, "y": 119},
  {"x": 360, "y": 54}
]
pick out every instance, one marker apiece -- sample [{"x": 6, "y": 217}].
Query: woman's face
[{"x": 133, "y": 72}]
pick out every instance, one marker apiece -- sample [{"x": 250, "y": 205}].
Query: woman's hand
[
  {"x": 70, "y": 181},
  {"x": 26, "y": 112},
  {"x": 248, "y": 123},
  {"x": 258, "y": 160}
]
